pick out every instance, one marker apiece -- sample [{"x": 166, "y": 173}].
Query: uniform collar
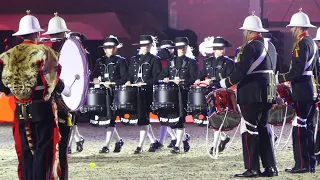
[
  {"x": 302, "y": 35},
  {"x": 27, "y": 41},
  {"x": 255, "y": 37}
]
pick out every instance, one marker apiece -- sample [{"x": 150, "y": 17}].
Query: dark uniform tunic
[
  {"x": 255, "y": 94},
  {"x": 184, "y": 68},
  {"x": 304, "y": 94},
  {"x": 214, "y": 68},
  {"x": 38, "y": 134},
  {"x": 317, "y": 143},
  {"x": 112, "y": 69},
  {"x": 144, "y": 68}
]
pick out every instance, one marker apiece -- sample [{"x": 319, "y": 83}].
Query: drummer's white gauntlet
[
  {"x": 223, "y": 83},
  {"x": 66, "y": 91}
]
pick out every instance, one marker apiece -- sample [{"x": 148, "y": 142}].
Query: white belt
[
  {"x": 39, "y": 88},
  {"x": 262, "y": 72},
  {"x": 308, "y": 73}
]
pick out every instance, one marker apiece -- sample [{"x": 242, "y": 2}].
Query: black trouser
[
  {"x": 317, "y": 145},
  {"x": 303, "y": 135},
  {"x": 63, "y": 144},
  {"x": 40, "y": 121},
  {"x": 256, "y": 141},
  {"x": 144, "y": 100}
]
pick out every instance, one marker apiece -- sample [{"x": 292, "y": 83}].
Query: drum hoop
[{"x": 85, "y": 70}]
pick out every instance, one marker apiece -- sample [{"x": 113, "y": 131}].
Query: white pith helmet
[
  {"x": 56, "y": 25},
  {"x": 300, "y": 19},
  {"x": 317, "y": 38},
  {"x": 253, "y": 23},
  {"x": 28, "y": 25}
]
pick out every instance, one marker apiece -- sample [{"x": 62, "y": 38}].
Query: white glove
[
  {"x": 66, "y": 91},
  {"x": 223, "y": 83}
]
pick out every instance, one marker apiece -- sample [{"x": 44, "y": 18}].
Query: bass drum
[
  {"x": 284, "y": 104},
  {"x": 75, "y": 72},
  {"x": 220, "y": 102}
]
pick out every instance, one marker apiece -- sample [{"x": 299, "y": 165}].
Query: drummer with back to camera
[{"x": 35, "y": 110}]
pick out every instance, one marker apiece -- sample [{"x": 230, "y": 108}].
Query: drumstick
[
  {"x": 76, "y": 77},
  {"x": 141, "y": 84},
  {"x": 171, "y": 80}
]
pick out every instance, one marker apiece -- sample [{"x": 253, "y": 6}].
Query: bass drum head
[
  {"x": 232, "y": 121},
  {"x": 277, "y": 115},
  {"x": 74, "y": 63}
]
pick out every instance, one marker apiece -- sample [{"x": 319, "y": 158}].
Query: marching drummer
[
  {"x": 144, "y": 69},
  {"x": 181, "y": 70},
  {"x": 57, "y": 29},
  {"x": 166, "y": 54},
  {"x": 304, "y": 93},
  {"x": 216, "y": 67},
  {"x": 111, "y": 69},
  {"x": 317, "y": 143},
  {"x": 254, "y": 77},
  {"x": 38, "y": 152}
]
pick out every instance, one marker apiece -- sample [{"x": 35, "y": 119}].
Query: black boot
[
  {"x": 80, "y": 145},
  {"x": 249, "y": 174},
  {"x": 186, "y": 145},
  {"x": 175, "y": 150},
  {"x": 138, "y": 150},
  {"x": 118, "y": 146},
  {"x": 223, "y": 144},
  {"x": 69, "y": 150},
  {"x": 154, "y": 146},
  {"x": 172, "y": 143},
  {"x": 270, "y": 172},
  {"x": 296, "y": 170},
  {"x": 105, "y": 149}
]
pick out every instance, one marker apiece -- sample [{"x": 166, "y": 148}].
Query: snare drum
[
  {"x": 278, "y": 110},
  {"x": 96, "y": 100},
  {"x": 125, "y": 98},
  {"x": 197, "y": 99},
  {"x": 165, "y": 96},
  {"x": 220, "y": 102}
]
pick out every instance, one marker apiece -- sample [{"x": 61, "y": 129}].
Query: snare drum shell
[
  {"x": 125, "y": 98},
  {"x": 165, "y": 95},
  {"x": 96, "y": 97},
  {"x": 197, "y": 96}
]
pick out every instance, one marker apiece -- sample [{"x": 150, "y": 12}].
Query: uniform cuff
[{"x": 223, "y": 83}]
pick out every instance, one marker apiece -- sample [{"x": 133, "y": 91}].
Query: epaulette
[
  {"x": 228, "y": 58},
  {"x": 120, "y": 57},
  {"x": 99, "y": 59}
]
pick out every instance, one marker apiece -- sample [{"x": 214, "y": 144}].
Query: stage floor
[{"x": 195, "y": 164}]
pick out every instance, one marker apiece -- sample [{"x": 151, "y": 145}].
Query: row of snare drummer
[
  {"x": 165, "y": 96},
  {"x": 204, "y": 103}
]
